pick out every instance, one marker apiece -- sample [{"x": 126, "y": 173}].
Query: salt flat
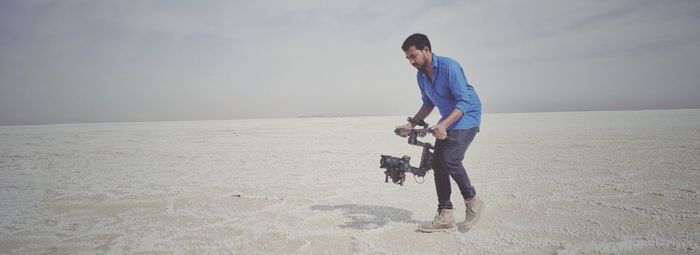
[{"x": 622, "y": 182}]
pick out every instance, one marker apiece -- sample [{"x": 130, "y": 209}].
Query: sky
[{"x": 121, "y": 61}]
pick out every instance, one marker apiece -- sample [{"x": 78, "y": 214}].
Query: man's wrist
[{"x": 416, "y": 121}]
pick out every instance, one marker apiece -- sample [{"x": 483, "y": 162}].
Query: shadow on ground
[{"x": 368, "y": 216}]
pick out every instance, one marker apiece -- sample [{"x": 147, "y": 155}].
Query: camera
[
  {"x": 389, "y": 162},
  {"x": 396, "y": 167}
]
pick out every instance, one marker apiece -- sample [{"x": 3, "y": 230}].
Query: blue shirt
[{"x": 448, "y": 90}]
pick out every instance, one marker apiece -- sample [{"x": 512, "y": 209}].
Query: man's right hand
[{"x": 405, "y": 126}]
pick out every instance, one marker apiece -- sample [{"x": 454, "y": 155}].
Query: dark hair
[{"x": 420, "y": 41}]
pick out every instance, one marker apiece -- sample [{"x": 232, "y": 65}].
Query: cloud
[{"x": 77, "y": 61}]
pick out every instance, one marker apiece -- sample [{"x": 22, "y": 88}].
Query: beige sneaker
[
  {"x": 474, "y": 206},
  {"x": 443, "y": 221}
]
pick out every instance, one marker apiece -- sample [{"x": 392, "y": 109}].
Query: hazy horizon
[
  {"x": 116, "y": 61},
  {"x": 430, "y": 119}
]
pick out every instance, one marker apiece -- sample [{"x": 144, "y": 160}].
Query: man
[{"x": 443, "y": 84}]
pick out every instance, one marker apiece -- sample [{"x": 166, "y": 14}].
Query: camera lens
[{"x": 394, "y": 163}]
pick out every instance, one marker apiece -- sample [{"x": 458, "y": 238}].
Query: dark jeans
[{"x": 447, "y": 162}]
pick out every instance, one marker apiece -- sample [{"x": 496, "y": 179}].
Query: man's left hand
[{"x": 440, "y": 131}]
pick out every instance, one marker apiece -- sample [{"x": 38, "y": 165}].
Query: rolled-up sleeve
[{"x": 459, "y": 88}]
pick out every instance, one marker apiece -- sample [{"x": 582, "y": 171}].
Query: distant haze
[{"x": 101, "y": 61}]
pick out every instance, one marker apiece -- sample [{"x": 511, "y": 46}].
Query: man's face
[{"x": 417, "y": 58}]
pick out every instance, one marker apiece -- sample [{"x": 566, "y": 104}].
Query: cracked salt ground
[{"x": 555, "y": 183}]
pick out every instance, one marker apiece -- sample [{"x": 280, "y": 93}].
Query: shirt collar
[
  {"x": 435, "y": 61},
  {"x": 434, "y": 64}
]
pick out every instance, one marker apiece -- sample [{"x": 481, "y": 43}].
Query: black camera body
[{"x": 396, "y": 167}]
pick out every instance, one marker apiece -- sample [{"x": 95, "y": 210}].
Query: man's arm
[
  {"x": 459, "y": 89},
  {"x": 422, "y": 113},
  {"x": 441, "y": 128}
]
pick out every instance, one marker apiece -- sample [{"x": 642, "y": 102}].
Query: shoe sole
[{"x": 422, "y": 230}]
